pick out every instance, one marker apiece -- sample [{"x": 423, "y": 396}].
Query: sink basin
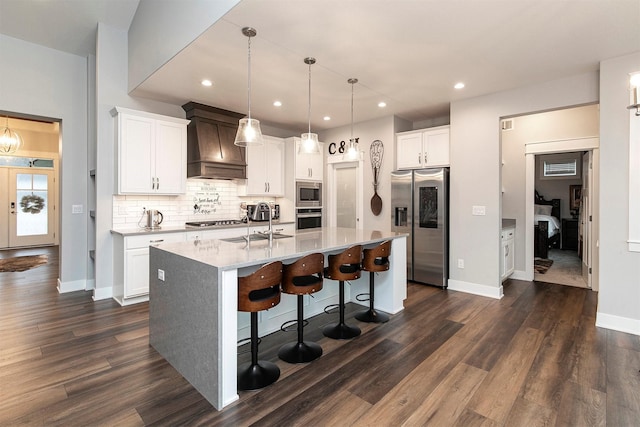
[{"x": 254, "y": 237}]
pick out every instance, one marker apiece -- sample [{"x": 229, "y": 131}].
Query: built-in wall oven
[
  {"x": 308, "y": 218},
  {"x": 308, "y": 194}
]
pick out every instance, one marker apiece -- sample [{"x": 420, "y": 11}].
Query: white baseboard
[
  {"x": 617, "y": 323},
  {"x": 476, "y": 289},
  {"x": 76, "y": 285},
  {"x": 520, "y": 275},
  {"x": 102, "y": 293}
]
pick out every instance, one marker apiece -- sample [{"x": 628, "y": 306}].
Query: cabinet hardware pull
[
  {"x": 156, "y": 241},
  {"x": 157, "y": 183},
  {"x": 425, "y": 158}
]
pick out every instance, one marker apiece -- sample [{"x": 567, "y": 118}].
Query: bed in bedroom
[{"x": 547, "y": 225}]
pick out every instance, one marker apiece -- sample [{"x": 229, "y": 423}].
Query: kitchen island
[{"x": 193, "y": 297}]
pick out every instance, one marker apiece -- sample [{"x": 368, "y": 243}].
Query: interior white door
[
  {"x": 31, "y": 207},
  {"x": 346, "y": 195}
]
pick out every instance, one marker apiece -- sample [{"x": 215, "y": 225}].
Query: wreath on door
[{"x": 32, "y": 204}]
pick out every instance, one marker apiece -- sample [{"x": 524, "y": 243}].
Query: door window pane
[{"x": 33, "y": 201}]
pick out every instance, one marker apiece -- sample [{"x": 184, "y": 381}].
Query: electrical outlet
[
  {"x": 77, "y": 209},
  {"x": 460, "y": 263},
  {"x": 479, "y": 210},
  {"x": 161, "y": 275}
]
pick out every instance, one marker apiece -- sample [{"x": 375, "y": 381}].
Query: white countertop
[
  {"x": 228, "y": 255},
  {"x": 129, "y": 231}
]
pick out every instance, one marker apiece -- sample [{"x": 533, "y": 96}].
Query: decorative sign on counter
[{"x": 206, "y": 200}]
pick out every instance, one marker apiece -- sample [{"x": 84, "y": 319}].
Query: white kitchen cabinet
[
  {"x": 508, "y": 254},
  {"x": 265, "y": 168},
  {"x": 151, "y": 155},
  {"x": 131, "y": 264},
  {"x": 423, "y": 148},
  {"x": 309, "y": 167}
]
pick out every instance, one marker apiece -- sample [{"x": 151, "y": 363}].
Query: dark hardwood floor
[{"x": 449, "y": 359}]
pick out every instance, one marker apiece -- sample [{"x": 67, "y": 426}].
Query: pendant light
[
  {"x": 10, "y": 141},
  {"x": 352, "y": 147},
  {"x": 309, "y": 143},
  {"x": 249, "y": 132}
]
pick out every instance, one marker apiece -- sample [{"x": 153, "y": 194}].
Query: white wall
[
  {"x": 157, "y": 34},
  {"x": 384, "y": 130},
  {"x": 476, "y": 170},
  {"x": 111, "y": 91},
  {"x": 619, "y": 300},
  {"x": 36, "y": 80}
]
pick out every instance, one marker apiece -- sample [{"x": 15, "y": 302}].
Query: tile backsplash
[{"x": 206, "y": 199}]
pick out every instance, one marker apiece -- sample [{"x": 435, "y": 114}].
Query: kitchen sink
[{"x": 254, "y": 237}]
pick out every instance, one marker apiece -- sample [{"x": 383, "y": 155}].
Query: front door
[{"x": 31, "y": 207}]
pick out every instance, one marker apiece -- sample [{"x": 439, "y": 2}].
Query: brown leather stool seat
[
  {"x": 256, "y": 292},
  {"x": 343, "y": 266},
  {"x": 374, "y": 261},
  {"x": 303, "y": 277}
]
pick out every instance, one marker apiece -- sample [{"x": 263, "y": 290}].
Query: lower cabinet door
[{"x": 136, "y": 279}]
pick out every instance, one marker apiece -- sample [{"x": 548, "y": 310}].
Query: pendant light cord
[
  {"x": 309, "y": 108},
  {"x": 249, "y": 79}
]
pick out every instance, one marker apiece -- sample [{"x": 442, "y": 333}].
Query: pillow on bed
[{"x": 542, "y": 209}]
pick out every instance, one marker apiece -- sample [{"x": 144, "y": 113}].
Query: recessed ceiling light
[
  {"x": 459, "y": 85},
  {"x": 206, "y": 82},
  {"x": 382, "y": 104},
  {"x": 326, "y": 118},
  {"x": 277, "y": 104}
]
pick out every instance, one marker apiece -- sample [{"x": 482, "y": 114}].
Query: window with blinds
[{"x": 567, "y": 167}]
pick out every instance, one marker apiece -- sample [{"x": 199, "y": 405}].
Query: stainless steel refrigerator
[{"x": 420, "y": 207}]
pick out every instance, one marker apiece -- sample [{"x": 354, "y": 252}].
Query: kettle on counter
[{"x": 154, "y": 218}]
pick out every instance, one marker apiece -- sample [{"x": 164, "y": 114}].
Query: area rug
[
  {"x": 542, "y": 265},
  {"x": 22, "y": 263}
]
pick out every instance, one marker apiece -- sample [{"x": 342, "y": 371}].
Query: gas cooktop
[{"x": 213, "y": 223}]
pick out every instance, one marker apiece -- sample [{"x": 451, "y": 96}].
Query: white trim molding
[
  {"x": 617, "y": 323},
  {"x": 102, "y": 293},
  {"x": 634, "y": 181},
  {"x": 76, "y": 285},
  {"x": 475, "y": 289}
]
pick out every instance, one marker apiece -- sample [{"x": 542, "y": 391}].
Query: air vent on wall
[{"x": 507, "y": 124}]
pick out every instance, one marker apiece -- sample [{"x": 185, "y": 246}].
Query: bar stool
[
  {"x": 343, "y": 266},
  {"x": 256, "y": 292},
  {"x": 375, "y": 260},
  {"x": 303, "y": 277}
]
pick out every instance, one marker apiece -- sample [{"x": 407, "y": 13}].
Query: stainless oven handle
[{"x": 309, "y": 215}]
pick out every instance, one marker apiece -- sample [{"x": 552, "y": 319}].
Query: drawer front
[{"x": 144, "y": 241}]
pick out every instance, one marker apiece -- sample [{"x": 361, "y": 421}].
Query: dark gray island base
[{"x": 193, "y": 318}]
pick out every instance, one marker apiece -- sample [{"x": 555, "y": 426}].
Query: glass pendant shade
[
  {"x": 249, "y": 133},
  {"x": 10, "y": 141},
  {"x": 309, "y": 143}
]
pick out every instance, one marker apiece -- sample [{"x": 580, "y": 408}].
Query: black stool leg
[
  {"x": 300, "y": 351},
  {"x": 371, "y": 315},
  {"x": 341, "y": 331},
  {"x": 258, "y": 373}
]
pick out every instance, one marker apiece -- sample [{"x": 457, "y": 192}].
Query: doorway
[
  {"x": 561, "y": 182},
  {"x": 580, "y": 228},
  {"x": 29, "y": 187}
]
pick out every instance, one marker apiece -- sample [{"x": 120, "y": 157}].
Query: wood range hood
[{"x": 210, "y": 149}]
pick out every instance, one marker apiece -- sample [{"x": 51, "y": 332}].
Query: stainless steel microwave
[{"x": 308, "y": 194}]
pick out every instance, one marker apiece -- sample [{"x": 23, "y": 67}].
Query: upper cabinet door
[
  {"x": 136, "y": 139},
  {"x": 409, "y": 153},
  {"x": 171, "y": 158},
  {"x": 436, "y": 146}
]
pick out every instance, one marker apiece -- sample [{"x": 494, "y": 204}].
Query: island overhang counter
[{"x": 193, "y": 297}]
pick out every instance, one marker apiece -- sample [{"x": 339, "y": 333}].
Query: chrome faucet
[{"x": 270, "y": 230}]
